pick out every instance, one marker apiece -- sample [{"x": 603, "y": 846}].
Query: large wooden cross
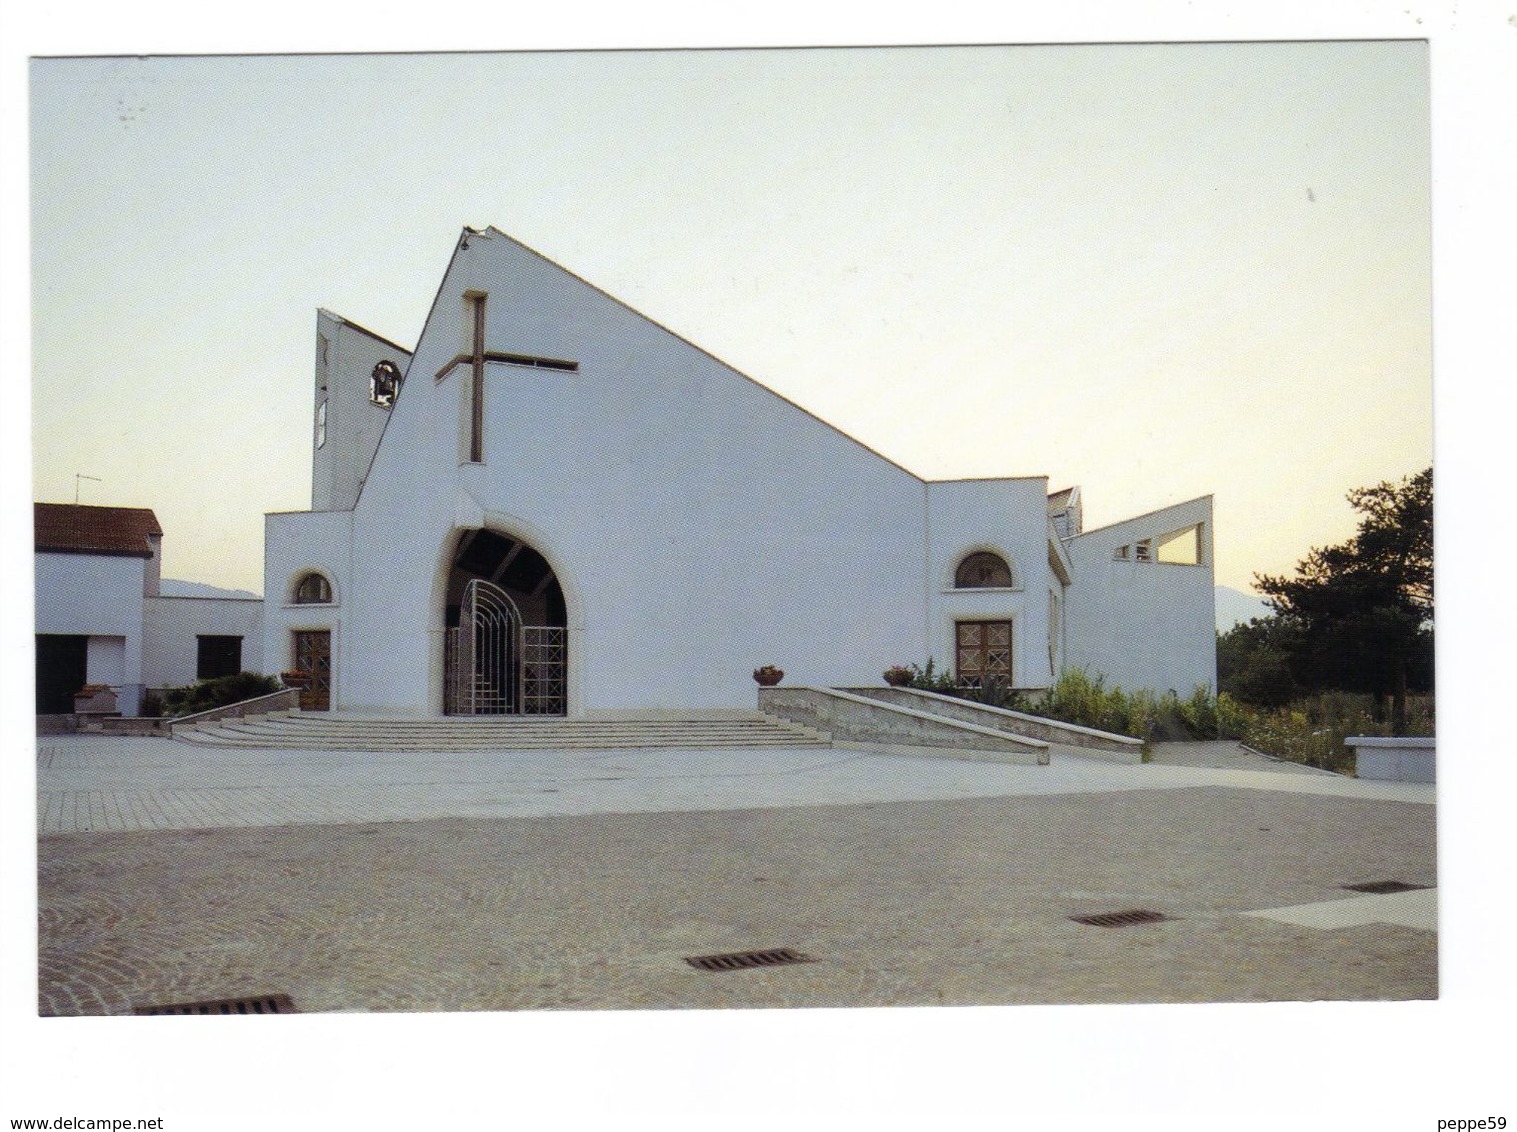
[{"x": 476, "y": 359}]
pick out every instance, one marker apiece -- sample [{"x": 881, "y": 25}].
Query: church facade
[{"x": 554, "y": 505}]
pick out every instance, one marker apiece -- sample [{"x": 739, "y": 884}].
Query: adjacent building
[{"x": 103, "y": 619}]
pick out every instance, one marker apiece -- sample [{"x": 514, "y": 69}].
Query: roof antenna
[{"x": 81, "y": 476}]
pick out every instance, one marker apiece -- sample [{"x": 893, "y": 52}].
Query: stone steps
[{"x": 309, "y": 731}]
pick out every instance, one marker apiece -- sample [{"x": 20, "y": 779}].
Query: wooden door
[
  {"x": 984, "y": 654},
  {"x": 313, "y": 654}
]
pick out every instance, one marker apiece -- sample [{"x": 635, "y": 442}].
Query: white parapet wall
[
  {"x": 854, "y": 720},
  {"x": 1394, "y": 760},
  {"x": 1088, "y": 741}
]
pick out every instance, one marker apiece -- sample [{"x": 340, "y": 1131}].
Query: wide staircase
[{"x": 322, "y": 731}]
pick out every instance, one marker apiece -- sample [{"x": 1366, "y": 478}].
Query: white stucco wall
[
  {"x": 89, "y": 594},
  {"x": 294, "y": 544},
  {"x": 105, "y": 661},
  {"x": 172, "y": 625},
  {"x": 99, "y": 596},
  {"x": 1007, "y": 517},
  {"x": 345, "y": 358},
  {"x": 1144, "y": 624}
]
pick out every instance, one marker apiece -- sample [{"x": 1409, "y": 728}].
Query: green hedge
[{"x": 207, "y": 694}]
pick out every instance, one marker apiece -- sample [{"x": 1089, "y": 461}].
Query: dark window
[
  {"x": 313, "y": 589},
  {"x": 982, "y": 570},
  {"x": 384, "y": 383},
  {"x": 218, "y": 656}
]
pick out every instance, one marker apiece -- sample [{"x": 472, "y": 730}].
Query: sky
[{"x": 1156, "y": 271}]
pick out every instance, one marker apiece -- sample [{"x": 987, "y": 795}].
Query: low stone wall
[
  {"x": 1394, "y": 760},
  {"x": 102, "y": 725},
  {"x": 852, "y": 719},
  {"x": 135, "y": 725},
  {"x": 284, "y": 700},
  {"x": 1013, "y": 722}
]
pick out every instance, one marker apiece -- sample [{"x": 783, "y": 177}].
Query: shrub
[
  {"x": 1311, "y": 730},
  {"x": 1077, "y": 697},
  {"x": 1232, "y": 717},
  {"x": 207, "y": 694},
  {"x": 929, "y": 679}
]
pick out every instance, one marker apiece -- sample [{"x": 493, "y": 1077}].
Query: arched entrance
[{"x": 506, "y": 643}]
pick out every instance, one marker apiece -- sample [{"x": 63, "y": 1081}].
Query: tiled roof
[{"x": 72, "y": 528}]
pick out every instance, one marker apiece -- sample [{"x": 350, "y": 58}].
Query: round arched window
[
  {"x": 982, "y": 570},
  {"x": 313, "y": 589}
]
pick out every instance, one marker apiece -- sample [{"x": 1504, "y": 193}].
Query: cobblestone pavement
[{"x": 913, "y": 901}]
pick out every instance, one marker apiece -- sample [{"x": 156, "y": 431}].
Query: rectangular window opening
[
  {"x": 534, "y": 362},
  {"x": 217, "y": 656}
]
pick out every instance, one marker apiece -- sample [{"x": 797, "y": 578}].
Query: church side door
[
  {"x": 313, "y": 655},
  {"x": 984, "y": 649}
]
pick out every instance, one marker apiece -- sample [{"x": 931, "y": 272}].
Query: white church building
[{"x": 557, "y": 506}]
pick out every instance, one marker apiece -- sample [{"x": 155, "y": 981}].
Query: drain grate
[
  {"x": 742, "y": 960},
  {"x": 1382, "y": 887},
  {"x": 265, "y": 1004},
  {"x": 1120, "y": 919}
]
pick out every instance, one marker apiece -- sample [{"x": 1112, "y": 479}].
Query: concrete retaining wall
[
  {"x": 1394, "y": 760},
  {"x": 853, "y": 719},
  {"x": 135, "y": 725},
  {"x": 57, "y": 724},
  {"x": 275, "y": 703},
  {"x": 1012, "y": 722}
]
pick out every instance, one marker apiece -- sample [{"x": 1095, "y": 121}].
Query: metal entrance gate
[{"x": 495, "y": 665}]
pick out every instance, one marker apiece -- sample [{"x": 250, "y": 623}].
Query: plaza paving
[{"x": 428, "y": 881}]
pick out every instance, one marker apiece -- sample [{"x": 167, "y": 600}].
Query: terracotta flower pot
[{"x": 768, "y": 676}]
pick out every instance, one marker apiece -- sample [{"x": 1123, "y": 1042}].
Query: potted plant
[
  {"x": 768, "y": 676},
  {"x": 898, "y": 676}
]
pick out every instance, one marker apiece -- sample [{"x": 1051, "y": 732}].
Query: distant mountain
[
  {"x": 172, "y": 587},
  {"x": 1235, "y": 607}
]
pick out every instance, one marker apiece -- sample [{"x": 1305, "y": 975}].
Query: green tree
[
  {"x": 1364, "y": 609},
  {"x": 1254, "y": 661}
]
